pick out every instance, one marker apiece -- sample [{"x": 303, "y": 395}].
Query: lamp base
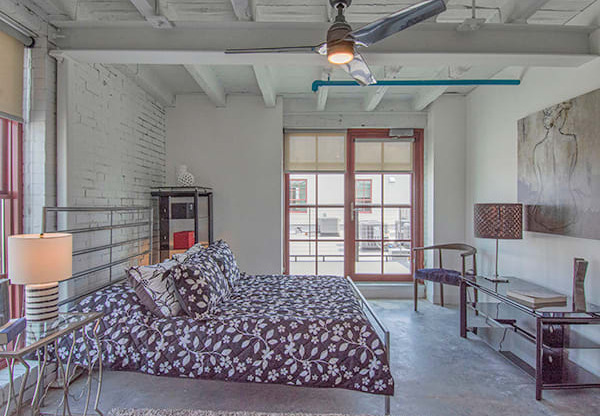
[{"x": 41, "y": 302}]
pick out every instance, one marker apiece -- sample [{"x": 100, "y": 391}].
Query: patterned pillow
[
  {"x": 223, "y": 255},
  {"x": 199, "y": 284},
  {"x": 155, "y": 288},
  {"x": 193, "y": 250}
]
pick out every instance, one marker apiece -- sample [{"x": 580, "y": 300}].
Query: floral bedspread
[{"x": 296, "y": 330}]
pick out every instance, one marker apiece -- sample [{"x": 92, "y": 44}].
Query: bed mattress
[{"x": 297, "y": 330}]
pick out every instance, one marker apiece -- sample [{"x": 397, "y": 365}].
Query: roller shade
[
  {"x": 11, "y": 77},
  {"x": 315, "y": 152}
]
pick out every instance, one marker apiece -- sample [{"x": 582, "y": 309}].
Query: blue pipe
[{"x": 418, "y": 83}]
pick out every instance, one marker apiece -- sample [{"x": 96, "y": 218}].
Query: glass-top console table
[{"x": 560, "y": 337}]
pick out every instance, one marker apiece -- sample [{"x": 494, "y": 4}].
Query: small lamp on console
[
  {"x": 40, "y": 261},
  {"x": 498, "y": 221}
]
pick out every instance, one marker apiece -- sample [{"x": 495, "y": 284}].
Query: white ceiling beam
[
  {"x": 426, "y": 96},
  {"x": 147, "y": 79},
  {"x": 518, "y": 11},
  {"x": 242, "y": 9},
  {"x": 374, "y": 97},
  {"x": 427, "y": 45},
  {"x": 264, "y": 78},
  {"x": 174, "y": 57},
  {"x": 147, "y": 9},
  {"x": 57, "y": 9},
  {"x": 588, "y": 17},
  {"x": 206, "y": 78},
  {"x": 323, "y": 92},
  {"x": 376, "y": 94}
]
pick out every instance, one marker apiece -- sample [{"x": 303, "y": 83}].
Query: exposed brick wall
[{"x": 115, "y": 137}]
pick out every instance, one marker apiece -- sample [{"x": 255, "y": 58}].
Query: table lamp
[
  {"x": 499, "y": 221},
  {"x": 40, "y": 261}
]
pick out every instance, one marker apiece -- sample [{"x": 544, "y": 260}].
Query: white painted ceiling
[{"x": 290, "y": 80}]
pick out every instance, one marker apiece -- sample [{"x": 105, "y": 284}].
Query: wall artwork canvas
[{"x": 559, "y": 168}]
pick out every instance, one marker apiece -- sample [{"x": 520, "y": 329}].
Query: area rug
[{"x": 175, "y": 412}]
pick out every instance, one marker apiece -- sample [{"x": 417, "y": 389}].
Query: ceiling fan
[{"x": 342, "y": 42}]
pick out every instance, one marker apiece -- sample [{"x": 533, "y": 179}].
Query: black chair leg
[
  {"x": 416, "y": 293},
  {"x": 442, "y": 294}
]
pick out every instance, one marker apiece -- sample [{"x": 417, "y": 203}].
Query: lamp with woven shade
[{"x": 499, "y": 221}]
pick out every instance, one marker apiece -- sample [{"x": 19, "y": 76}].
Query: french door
[{"x": 353, "y": 203}]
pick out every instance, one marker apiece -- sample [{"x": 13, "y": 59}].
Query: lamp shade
[
  {"x": 500, "y": 221},
  {"x": 35, "y": 259}
]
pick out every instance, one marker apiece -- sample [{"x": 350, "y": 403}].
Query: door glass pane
[
  {"x": 331, "y": 223},
  {"x": 397, "y": 156},
  {"x": 397, "y": 189},
  {"x": 331, "y": 189},
  {"x": 331, "y": 258},
  {"x": 367, "y": 260},
  {"x": 301, "y": 152},
  {"x": 302, "y": 257},
  {"x": 397, "y": 258},
  {"x": 302, "y": 223},
  {"x": 396, "y": 223},
  {"x": 368, "y": 224},
  {"x": 367, "y": 189},
  {"x": 367, "y": 156},
  {"x": 302, "y": 189},
  {"x": 331, "y": 153}
]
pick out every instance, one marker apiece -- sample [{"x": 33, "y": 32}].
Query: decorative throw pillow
[
  {"x": 199, "y": 284},
  {"x": 155, "y": 288},
  {"x": 182, "y": 257},
  {"x": 220, "y": 251}
]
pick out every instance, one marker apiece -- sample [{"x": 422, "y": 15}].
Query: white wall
[
  {"x": 492, "y": 175},
  {"x": 238, "y": 151},
  {"x": 445, "y": 192}
]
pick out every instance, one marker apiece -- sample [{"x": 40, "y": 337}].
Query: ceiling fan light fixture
[{"x": 340, "y": 53}]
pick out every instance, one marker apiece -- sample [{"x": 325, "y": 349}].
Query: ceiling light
[{"x": 340, "y": 53}]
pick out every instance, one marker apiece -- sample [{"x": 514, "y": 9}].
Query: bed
[{"x": 312, "y": 331}]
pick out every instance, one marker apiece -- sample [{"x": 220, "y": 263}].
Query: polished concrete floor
[{"x": 436, "y": 373}]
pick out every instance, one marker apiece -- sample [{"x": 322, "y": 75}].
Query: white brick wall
[
  {"x": 39, "y": 144},
  {"x": 115, "y": 139}
]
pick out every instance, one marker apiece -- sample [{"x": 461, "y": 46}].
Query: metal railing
[{"x": 110, "y": 246}]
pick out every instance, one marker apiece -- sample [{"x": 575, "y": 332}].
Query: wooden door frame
[
  {"x": 417, "y": 225},
  {"x": 417, "y": 231}
]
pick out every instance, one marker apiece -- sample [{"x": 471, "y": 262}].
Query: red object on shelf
[{"x": 183, "y": 240}]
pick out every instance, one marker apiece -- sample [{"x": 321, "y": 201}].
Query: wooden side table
[{"x": 37, "y": 339}]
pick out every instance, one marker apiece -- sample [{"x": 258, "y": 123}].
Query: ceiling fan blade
[
  {"x": 359, "y": 70},
  {"x": 395, "y": 22},
  {"x": 315, "y": 48}
]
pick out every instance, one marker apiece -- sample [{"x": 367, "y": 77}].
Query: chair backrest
[{"x": 466, "y": 249}]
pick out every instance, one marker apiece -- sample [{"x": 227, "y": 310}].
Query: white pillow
[{"x": 155, "y": 288}]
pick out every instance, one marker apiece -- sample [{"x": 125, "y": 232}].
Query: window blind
[
  {"x": 11, "y": 77},
  {"x": 315, "y": 152}
]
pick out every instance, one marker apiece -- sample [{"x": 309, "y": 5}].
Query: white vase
[{"x": 184, "y": 178}]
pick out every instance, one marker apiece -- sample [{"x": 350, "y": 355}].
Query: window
[
  {"x": 364, "y": 194},
  {"x": 11, "y": 208},
  {"x": 298, "y": 194}
]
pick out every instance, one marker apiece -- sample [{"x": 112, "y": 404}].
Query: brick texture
[{"x": 115, "y": 153}]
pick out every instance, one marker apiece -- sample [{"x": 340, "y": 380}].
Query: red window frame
[
  {"x": 11, "y": 194},
  {"x": 417, "y": 228},
  {"x": 299, "y": 201}
]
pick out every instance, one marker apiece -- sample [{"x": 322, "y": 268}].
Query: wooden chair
[{"x": 445, "y": 276}]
